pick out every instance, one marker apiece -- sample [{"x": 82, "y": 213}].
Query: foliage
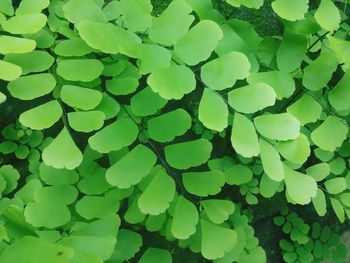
[{"x": 133, "y": 132}]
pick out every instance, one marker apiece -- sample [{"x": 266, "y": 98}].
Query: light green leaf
[
  {"x": 338, "y": 209},
  {"x": 328, "y": 16},
  {"x": 52, "y": 176},
  {"x": 11, "y": 176},
  {"x": 162, "y": 128},
  {"x": 172, "y": 24},
  {"x": 292, "y": 49},
  {"x": 339, "y": 96},
  {"x": 78, "y": 10},
  {"x": 223, "y": 72},
  {"x": 300, "y": 187},
  {"x": 248, "y": 3},
  {"x": 125, "y": 173},
  {"x": 271, "y": 161},
  {"x": 203, "y": 183},
  {"x": 306, "y": 109},
  {"x": 32, "y": 86},
  {"x": 62, "y": 152},
  {"x": 80, "y": 69},
  {"x": 109, "y": 106},
  {"x": 196, "y": 152},
  {"x": 268, "y": 187},
  {"x": 291, "y": 10},
  {"x": 318, "y": 171},
  {"x": 330, "y": 134},
  {"x": 213, "y": 111},
  {"x": 9, "y": 71},
  {"x": 257, "y": 254},
  {"x": 146, "y": 102},
  {"x": 185, "y": 219},
  {"x": 35, "y": 61},
  {"x": 86, "y": 121},
  {"x": 32, "y": 6},
  {"x": 336, "y": 185},
  {"x": 57, "y": 194},
  {"x": 6, "y": 7},
  {"x": 281, "y": 82},
  {"x": 72, "y": 47},
  {"x": 341, "y": 49},
  {"x": 156, "y": 255},
  {"x": 238, "y": 174},
  {"x": 216, "y": 240},
  {"x": 33, "y": 250},
  {"x": 198, "y": 44},
  {"x": 107, "y": 37},
  {"x": 71, "y": 95},
  {"x": 16, "y": 45},
  {"x": 162, "y": 185},
  {"x": 42, "y": 116},
  {"x": 136, "y": 14},
  {"x": 281, "y": 126},
  {"x": 244, "y": 139},
  {"x": 91, "y": 207},
  {"x": 152, "y": 58},
  {"x": 25, "y": 24},
  {"x": 252, "y": 98},
  {"x": 319, "y": 203},
  {"x": 218, "y": 210},
  {"x": 296, "y": 151},
  {"x": 172, "y": 82},
  {"x": 2, "y": 97},
  {"x": 115, "y": 136}
]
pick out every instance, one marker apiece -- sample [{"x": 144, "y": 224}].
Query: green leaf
[
  {"x": 203, "y": 183},
  {"x": 172, "y": 82},
  {"x": 52, "y": 176},
  {"x": 62, "y": 152},
  {"x": 336, "y": 185},
  {"x": 268, "y": 187},
  {"x": 72, "y": 47},
  {"x": 198, "y": 44},
  {"x": 42, "y": 116},
  {"x": 328, "y": 15},
  {"x": 292, "y": 49},
  {"x": 9, "y": 71},
  {"x": 238, "y": 174},
  {"x": 339, "y": 96},
  {"x": 86, "y": 121},
  {"x": 213, "y": 111},
  {"x": 282, "y": 126},
  {"x": 124, "y": 173},
  {"x": 185, "y": 219},
  {"x": 33, "y": 250},
  {"x": 223, "y": 72},
  {"x": 156, "y": 255},
  {"x": 306, "y": 109},
  {"x": 32, "y": 6},
  {"x": 11, "y": 177},
  {"x": 32, "y": 86},
  {"x": 338, "y": 209},
  {"x": 341, "y": 49},
  {"x": 291, "y": 10},
  {"x": 257, "y": 254},
  {"x": 319, "y": 171},
  {"x": 80, "y": 69},
  {"x": 319, "y": 203},
  {"x": 25, "y": 24},
  {"x": 35, "y": 61},
  {"x": 330, "y": 134},
  {"x": 162, "y": 128},
  {"x": 244, "y": 139},
  {"x": 216, "y": 240},
  {"x": 91, "y": 207},
  {"x": 136, "y": 14},
  {"x": 16, "y": 45},
  {"x": 271, "y": 161},
  {"x": 296, "y": 151},
  {"x": 152, "y": 58},
  {"x": 115, "y": 136},
  {"x": 325, "y": 63},
  {"x": 106, "y": 37},
  {"x": 146, "y": 102},
  {"x": 172, "y": 24},
  {"x": 252, "y": 98},
  {"x": 197, "y": 152},
  {"x": 281, "y": 82},
  {"x": 78, "y": 10},
  {"x": 248, "y": 3},
  {"x": 71, "y": 95},
  {"x": 57, "y": 194},
  {"x": 300, "y": 187},
  {"x": 162, "y": 185},
  {"x": 218, "y": 210},
  {"x": 6, "y": 7}
]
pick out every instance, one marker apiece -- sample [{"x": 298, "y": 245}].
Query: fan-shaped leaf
[
  {"x": 32, "y": 6},
  {"x": 86, "y": 121},
  {"x": 271, "y": 161},
  {"x": 115, "y": 136},
  {"x": 136, "y": 14},
  {"x": 291, "y": 10},
  {"x": 203, "y": 183},
  {"x": 146, "y": 102},
  {"x": 129, "y": 243},
  {"x": 296, "y": 151},
  {"x": 155, "y": 255},
  {"x": 43, "y": 116},
  {"x": 126, "y": 173},
  {"x": 152, "y": 58},
  {"x": 238, "y": 174},
  {"x": 91, "y": 207},
  {"x": 72, "y": 47},
  {"x": 162, "y": 128},
  {"x": 218, "y": 210},
  {"x": 71, "y": 95},
  {"x": 198, "y": 44},
  {"x": 339, "y": 96},
  {"x": 16, "y": 45},
  {"x": 9, "y": 71},
  {"x": 196, "y": 152},
  {"x": 306, "y": 109},
  {"x": 52, "y": 176},
  {"x": 78, "y": 10},
  {"x": 80, "y": 69},
  {"x": 223, "y": 72},
  {"x": 319, "y": 203},
  {"x": 25, "y": 24},
  {"x": 62, "y": 152},
  {"x": 328, "y": 16},
  {"x": 185, "y": 219}
]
